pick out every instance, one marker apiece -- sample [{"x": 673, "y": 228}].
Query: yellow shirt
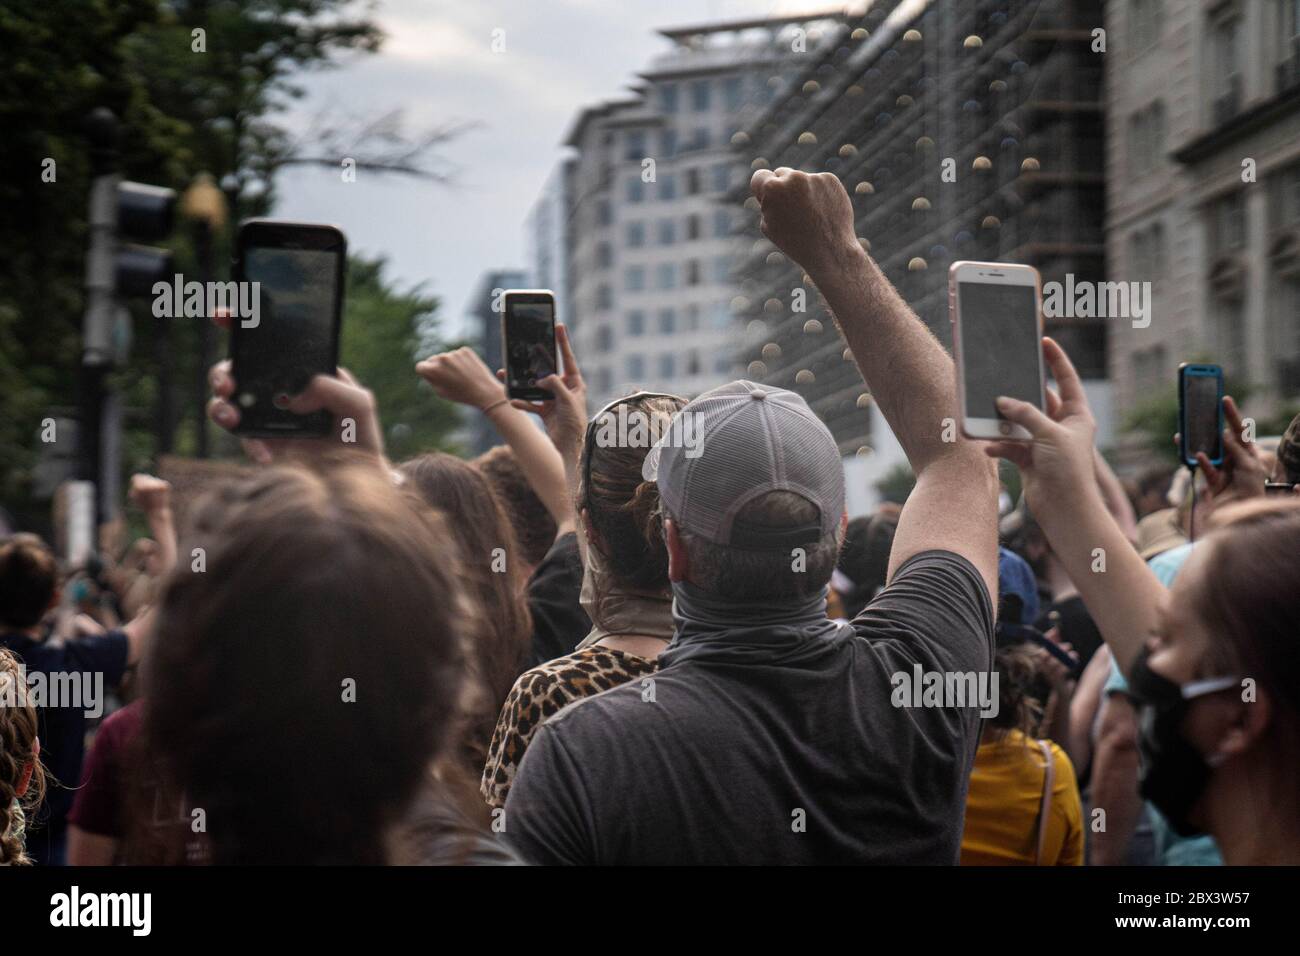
[{"x": 1002, "y": 806}]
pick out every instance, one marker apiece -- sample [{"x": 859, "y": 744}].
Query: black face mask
[{"x": 1174, "y": 773}]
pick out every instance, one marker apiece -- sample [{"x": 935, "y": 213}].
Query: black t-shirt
[
  {"x": 773, "y": 749},
  {"x": 95, "y": 664},
  {"x": 1075, "y": 626},
  {"x": 554, "y": 590}
]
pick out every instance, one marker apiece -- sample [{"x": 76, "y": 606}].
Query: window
[
  {"x": 692, "y": 226},
  {"x": 666, "y": 276},
  {"x": 634, "y": 278},
  {"x": 604, "y": 256},
  {"x": 700, "y": 96},
  {"x": 635, "y": 236},
  {"x": 692, "y": 182},
  {"x": 667, "y": 365},
  {"x": 1228, "y": 224},
  {"x": 721, "y": 178},
  {"x": 604, "y": 338},
  {"x": 668, "y": 143},
  {"x": 721, "y": 316},
  {"x": 721, "y": 270},
  {"x": 693, "y": 363},
  {"x": 722, "y": 222},
  {"x": 692, "y": 318},
  {"x": 667, "y": 321},
  {"x": 636, "y": 323},
  {"x": 1145, "y": 19},
  {"x": 668, "y": 186},
  {"x": 732, "y": 93},
  {"x": 693, "y": 272},
  {"x": 667, "y": 232},
  {"x": 668, "y": 98},
  {"x": 722, "y": 365},
  {"x": 1225, "y": 66},
  {"x": 635, "y": 189},
  {"x": 700, "y": 138},
  {"x": 635, "y": 366},
  {"x": 634, "y": 145},
  {"x": 604, "y": 297},
  {"x": 1146, "y": 139},
  {"x": 604, "y": 216}
]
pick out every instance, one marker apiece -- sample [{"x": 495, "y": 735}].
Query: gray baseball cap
[{"x": 743, "y": 440}]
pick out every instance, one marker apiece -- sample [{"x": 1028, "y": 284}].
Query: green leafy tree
[{"x": 386, "y": 330}]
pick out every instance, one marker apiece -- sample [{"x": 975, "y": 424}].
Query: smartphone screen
[
  {"x": 1202, "y": 389},
  {"x": 293, "y": 335},
  {"x": 529, "y": 333},
  {"x": 999, "y": 345}
]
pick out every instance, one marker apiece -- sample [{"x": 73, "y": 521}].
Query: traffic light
[
  {"x": 121, "y": 215},
  {"x": 143, "y": 213}
]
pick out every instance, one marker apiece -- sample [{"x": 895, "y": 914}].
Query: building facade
[
  {"x": 653, "y": 238},
  {"x": 1203, "y": 104},
  {"x": 962, "y": 130}
]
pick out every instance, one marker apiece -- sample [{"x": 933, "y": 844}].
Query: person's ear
[
  {"x": 679, "y": 562},
  {"x": 1245, "y": 728},
  {"x": 589, "y": 532}
]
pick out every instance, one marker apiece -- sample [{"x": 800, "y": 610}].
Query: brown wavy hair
[
  {"x": 501, "y": 648},
  {"x": 18, "y": 728},
  {"x": 302, "y": 685},
  {"x": 623, "y": 508}
]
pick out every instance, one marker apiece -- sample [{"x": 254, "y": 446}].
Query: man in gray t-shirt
[{"x": 771, "y": 734}]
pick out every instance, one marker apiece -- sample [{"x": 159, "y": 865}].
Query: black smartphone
[
  {"x": 290, "y": 305},
  {"x": 1200, "y": 412},
  {"x": 528, "y": 339}
]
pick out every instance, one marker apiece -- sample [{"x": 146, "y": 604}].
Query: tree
[{"x": 385, "y": 332}]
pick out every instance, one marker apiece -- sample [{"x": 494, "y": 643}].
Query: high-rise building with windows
[
  {"x": 652, "y": 236},
  {"x": 963, "y": 129},
  {"x": 1203, "y": 202}
]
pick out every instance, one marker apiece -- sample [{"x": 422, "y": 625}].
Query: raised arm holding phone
[{"x": 911, "y": 377}]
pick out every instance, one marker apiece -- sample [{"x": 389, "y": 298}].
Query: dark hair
[
  {"x": 300, "y": 687},
  {"x": 741, "y": 575},
  {"x": 864, "y": 556},
  {"x": 29, "y": 577},
  {"x": 1251, "y": 604},
  {"x": 622, "y": 507},
  {"x": 1018, "y": 705},
  {"x": 534, "y": 527},
  {"x": 502, "y": 648}
]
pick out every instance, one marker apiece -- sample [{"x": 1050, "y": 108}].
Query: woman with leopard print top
[{"x": 625, "y": 582}]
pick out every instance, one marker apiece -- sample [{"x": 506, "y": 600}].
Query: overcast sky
[{"x": 438, "y": 66}]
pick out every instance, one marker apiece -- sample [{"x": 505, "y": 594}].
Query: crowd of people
[{"x": 578, "y": 650}]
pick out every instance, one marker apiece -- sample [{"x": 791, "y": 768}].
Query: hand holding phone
[
  {"x": 1200, "y": 413},
  {"x": 528, "y": 339},
  {"x": 997, "y": 331},
  {"x": 293, "y": 275}
]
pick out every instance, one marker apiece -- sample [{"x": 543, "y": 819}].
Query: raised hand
[
  {"x": 808, "y": 216},
  {"x": 1059, "y": 459},
  {"x": 461, "y": 376}
]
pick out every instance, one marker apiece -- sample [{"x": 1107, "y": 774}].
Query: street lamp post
[{"x": 205, "y": 206}]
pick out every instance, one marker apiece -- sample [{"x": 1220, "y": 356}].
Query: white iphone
[{"x": 997, "y": 334}]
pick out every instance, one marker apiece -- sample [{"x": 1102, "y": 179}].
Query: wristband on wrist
[{"x": 500, "y": 401}]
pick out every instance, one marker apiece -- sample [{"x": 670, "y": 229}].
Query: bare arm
[
  {"x": 153, "y": 496},
  {"x": 1114, "y": 781},
  {"x": 1060, "y": 482},
  {"x": 954, "y": 504},
  {"x": 460, "y": 376},
  {"x": 90, "y": 849},
  {"x": 1112, "y": 492}
]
